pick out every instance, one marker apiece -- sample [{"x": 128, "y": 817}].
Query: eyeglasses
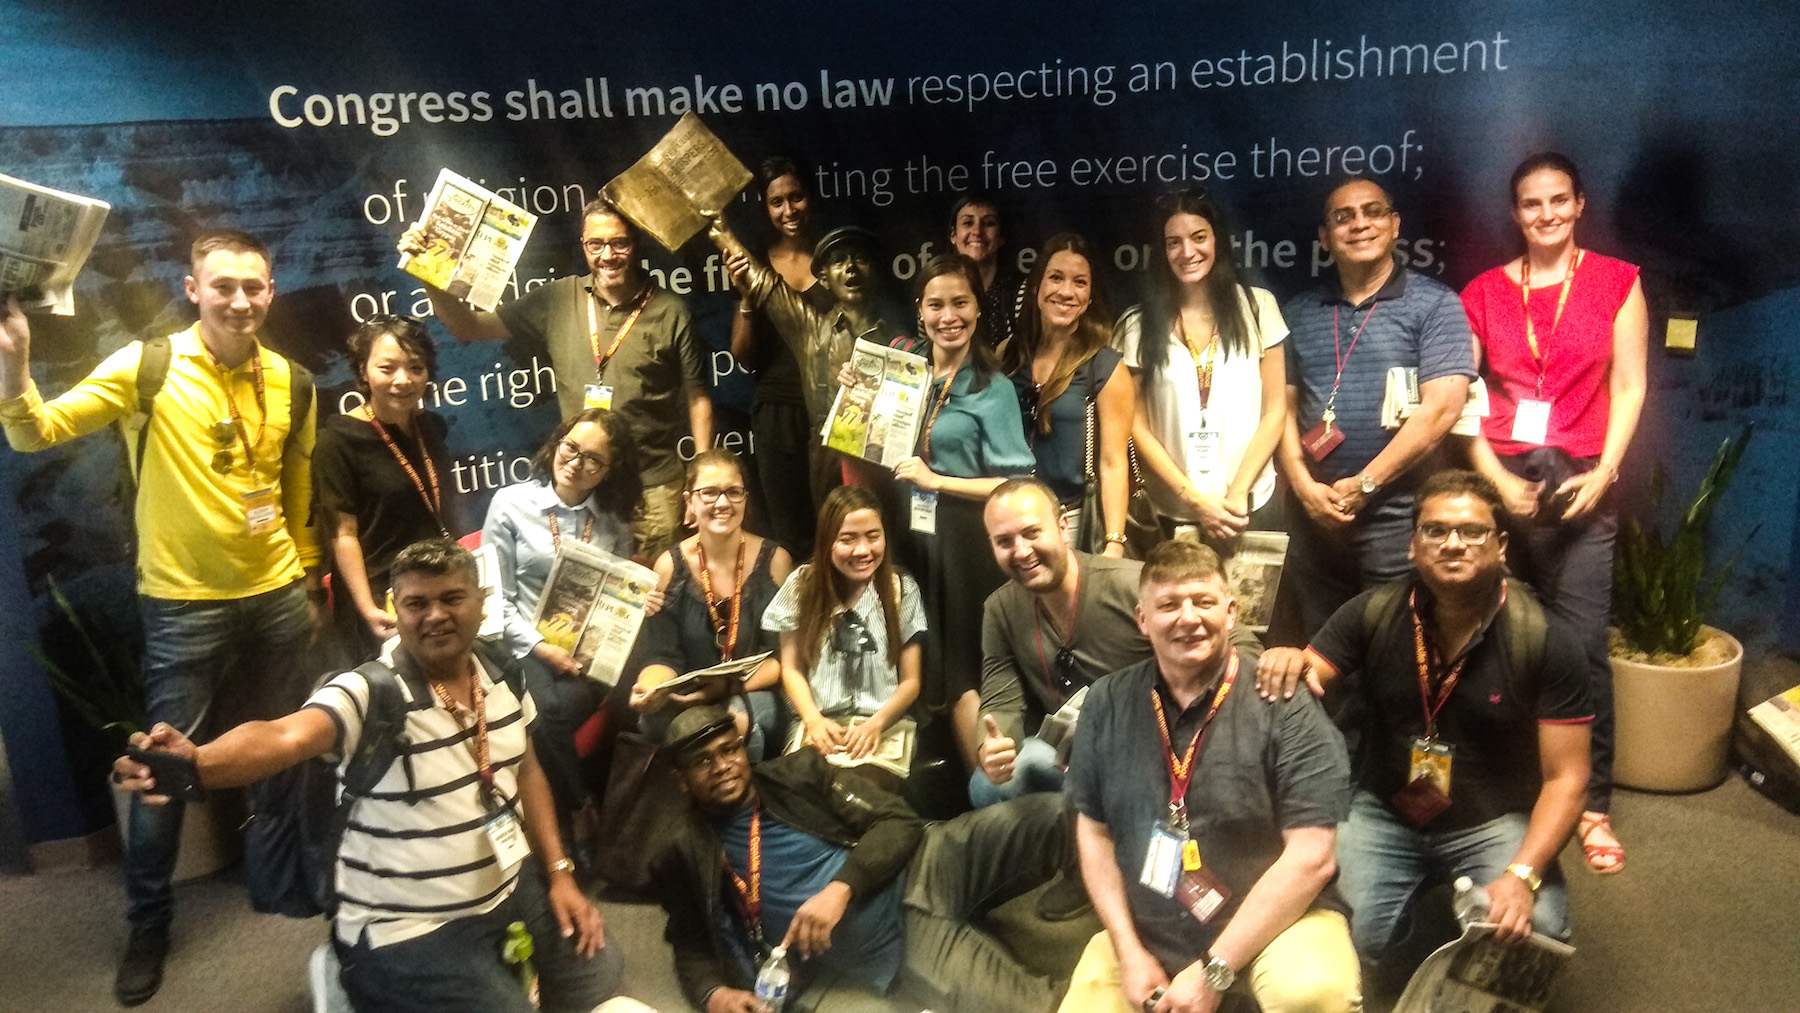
[
  {"x": 1340, "y": 217},
  {"x": 1471, "y": 534},
  {"x": 705, "y": 760},
  {"x": 621, "y": 245},
  {"x": 223, "y": 432},
  {"x": 585, "y": 461},
  {"x": 710, "y": 494}
]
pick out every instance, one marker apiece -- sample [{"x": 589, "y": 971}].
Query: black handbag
[{"x": 1091, "y": 535}]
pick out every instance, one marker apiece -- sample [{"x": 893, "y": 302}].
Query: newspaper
[
  {"x": 894, "y": 753},
  {"x": 674, "y": 189},
  {"x": 877, "y": 418},
  {"x": 740, "y": 668},
  {"x": 592, "y": 607},
  {"x": 1058, "y": 730},
  {"x": 473, "y": 239},
  {"x": 45, "y": 238},
  {"x": 1477, "y": 974},
  {"x": 1253, "y": 572},
  {"x": 1401, "y": 399},
  {"x": 1780, "y": 716}
]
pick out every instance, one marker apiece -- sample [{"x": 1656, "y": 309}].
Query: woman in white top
[{"x": 1205, "y": 352}]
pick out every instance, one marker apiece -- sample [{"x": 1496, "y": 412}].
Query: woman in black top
[{"x": 381, "y": 478}]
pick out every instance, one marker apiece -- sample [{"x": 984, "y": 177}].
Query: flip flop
[{"x": 1605, "y": 859}]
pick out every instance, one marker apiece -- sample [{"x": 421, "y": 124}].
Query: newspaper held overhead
[
  {"x": 45, "y": 238},
  {"x": 877, "y": 418},
  {"x": 671, "y": 191},
  {"x": 592, "y": 607},
  {"x": 473, "y": 239}
]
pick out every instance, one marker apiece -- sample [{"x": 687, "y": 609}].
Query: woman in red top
[{"x": 1562, "y": 333}]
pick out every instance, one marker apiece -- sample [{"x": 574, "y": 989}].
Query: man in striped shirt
[{"x": 434, "y": 863}]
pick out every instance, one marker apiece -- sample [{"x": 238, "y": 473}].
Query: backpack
[
  {"x": 1525, "y": 621},
  {"x": 291, "y": 839},
  {"x": 153, "y": 370}
]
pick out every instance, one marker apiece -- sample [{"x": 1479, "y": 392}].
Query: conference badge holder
[
  {"x": 924, "y": 512},
  {"x": 262, "y": 512},
  {"x": 1427, "y": 791},
  {"x": 1323, "y": 438},
  {"x": 597, "y": 395},
  {"x": 1531, "y": 422},
  {"x": 1204, "y": 451},
  {"x": 508, "y": 838}
]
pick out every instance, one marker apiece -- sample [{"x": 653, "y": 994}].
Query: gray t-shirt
[{"x": 853, "y": 675}]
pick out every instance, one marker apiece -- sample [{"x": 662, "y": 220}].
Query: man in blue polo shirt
[{"x": 1352, "y": 478}]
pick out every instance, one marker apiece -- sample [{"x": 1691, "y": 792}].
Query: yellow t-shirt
[{"x": 194, "y": 540}]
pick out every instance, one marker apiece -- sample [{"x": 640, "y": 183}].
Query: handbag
[{"x": 1090, "y": 535}]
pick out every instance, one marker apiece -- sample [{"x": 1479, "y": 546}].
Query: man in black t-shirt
[{"x": 1469, "y": 717}]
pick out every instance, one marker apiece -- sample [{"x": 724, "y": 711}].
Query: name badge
[
  {"x": 1321, "y": 440},
  {"x": 1162, "y": 861},
  {"x": 262, "y": 511},
  {"x": 597, "y": 395},
  {"x": 1202, "y": 894},
  {"x": 508, "y": 839},
  {"x": 924, "y": 512},
  {"x": 1531, "y": 422},
  {"x": 1205, "y": 451},
  {"x": 1431, "y": 760}
]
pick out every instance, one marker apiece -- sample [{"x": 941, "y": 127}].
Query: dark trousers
[
  {"x": 1328, "y": 567},
  {"x": 784, "y": 480}
]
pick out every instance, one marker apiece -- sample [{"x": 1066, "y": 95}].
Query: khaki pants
[
  {"x": 658, "y": 521},
  {"x": 1310, "y": 968}
]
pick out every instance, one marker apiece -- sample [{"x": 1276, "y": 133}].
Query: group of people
[{"x": 1443, "y": 605}]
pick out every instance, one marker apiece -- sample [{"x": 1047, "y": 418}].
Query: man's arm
[
  {"x": 297, "y": 490},
  {"x": 109, "y": 392},
  {"x": 890, "y": 833},
  {"x": 1002, "y": 698},
  {"x": 700, "y": 416},
  {"x": 1440, "y": 402},
  {"x": 464, "y": 322},
  {"x": 244, "y": 755},
  {"x": 576, "y": 916},
  {"x": 1316, "y": 498},
  {"x": 1140, "y": 973},
  {"x": 1563, "y": 758}
]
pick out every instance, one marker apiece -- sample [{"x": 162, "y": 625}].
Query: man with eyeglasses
[
  {"x": 617, "y": 340},
  {"x": 1351, "y": 478},
  {"x": 227, "y": 557},
  {"x": 801, "y": 853},
  {"x": 1470, "y": 714}
]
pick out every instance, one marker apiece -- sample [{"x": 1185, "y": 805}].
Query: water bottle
[
  {"x": 1470, "y": 903},
  {"x": 772, "y": 980}
]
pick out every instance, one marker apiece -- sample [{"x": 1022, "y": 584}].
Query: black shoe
[
  {"x": 1063, "y": 899},
  {"x": 141, "y": 969}
]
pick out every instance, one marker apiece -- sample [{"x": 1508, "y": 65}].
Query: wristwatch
[
  {"x": 1219, "y": 975},
  {"x": 561, "y": 865},
  {"x": 1366, "y": 482},
  {"x": 1528, "y": 874}
]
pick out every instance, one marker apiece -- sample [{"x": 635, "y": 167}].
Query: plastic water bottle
[
  {"x": 772, "y": 980},
  {"x": 1470, "y": 902}
]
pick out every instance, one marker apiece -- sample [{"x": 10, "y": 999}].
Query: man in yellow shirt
[{"x": 226, "y": 558}]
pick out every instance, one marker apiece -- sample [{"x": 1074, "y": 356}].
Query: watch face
[{"x": 1367, "y": 485}]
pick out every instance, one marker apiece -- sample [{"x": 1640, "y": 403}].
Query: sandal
[{"x": 1605, "y": 859}]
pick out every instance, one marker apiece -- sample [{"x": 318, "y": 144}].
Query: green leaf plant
[{"x": 109, "y": 695}]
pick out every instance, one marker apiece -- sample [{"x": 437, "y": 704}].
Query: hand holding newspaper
[
  {"x": 593, "y": 607},
  {"x": 737, "y": 668},
  {"x": 877, "y": 418},
  {"x": 473, "y": 238},
  {"x": 45, "y": 238},
  {"x": 1401, "y": 399}
]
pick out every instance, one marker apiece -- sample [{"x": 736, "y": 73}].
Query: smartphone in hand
[{"x": 176, "y": 776}]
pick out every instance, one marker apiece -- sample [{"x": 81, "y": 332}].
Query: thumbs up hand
[{"x": 997, "y": 752}]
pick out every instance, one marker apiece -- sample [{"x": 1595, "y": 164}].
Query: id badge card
[
  {"x": 1431, "y": 760},
  {"x": 262, "y": 511},
  {"x": 1531, "y": 422},
  {"x": 597, "y": 395},
  {"x": 1321, "y": 440},
  {"x": 924, "y": 512},
  {"x": 1205, "y": 451},
  {"x": 1162, "y": 861},
  {"x": 1201, "y": 893},
  {"x": 508, "y": 838}
]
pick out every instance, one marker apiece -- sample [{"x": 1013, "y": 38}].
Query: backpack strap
[
  {"x": 152, "y": 371},
  {"x": 1382, "y": 610},
  {"x": 1529, "y": 628}
]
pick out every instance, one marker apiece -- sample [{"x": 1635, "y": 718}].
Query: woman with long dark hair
[
  {"x": 1563, "y": 334},
  {"x": 1078, "y": 405},
  {"x": 1212, "y": 380}
]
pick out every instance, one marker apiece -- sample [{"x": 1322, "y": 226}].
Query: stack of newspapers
[
  {"x": 1401, "y": 399},
  {"x": 45, "y": 238}
]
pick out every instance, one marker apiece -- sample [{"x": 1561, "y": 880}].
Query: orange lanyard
[
  {"x": 433, "y": 498},
  {"x": 1202, "y": 371},
  {"x": 600, "y": 360},
  {"x": 1562, "y": 299},
  {"x": 1425, "y": 656},
  {"x": 478, "y": 703},
  {"x": 749, "y": 893},
  {"x": 1181, "y": 768},
  {"x": 725, "y": 631},
  {"x": 257, "y": 384},
  {"x": 938, "y": 406},
  {"x": 587, "y": 530}
]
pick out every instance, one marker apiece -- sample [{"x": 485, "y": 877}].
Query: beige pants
[
  {"x": 1310, "y": 968},
  {"x": 658, "y": 520}
]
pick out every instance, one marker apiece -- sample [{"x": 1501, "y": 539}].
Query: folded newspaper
[
  {"x": 1479, "y": 974},
  {"x": 473, "y": 239},
  {"x": 877, "y": 418},
  {"x": 738, "y": 668},
  {"x": 1254, "y": 574},
  {"x": 592, "y": 607},
  {"x": 1779, "y": 715},
  {"x": 688, "y": 176},
  {"x": 45, "y": 238},
  {"x": 1401, "y": 399}
]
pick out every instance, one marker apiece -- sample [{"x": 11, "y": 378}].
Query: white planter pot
[
  {"x": 1674, "y": 724},
  {"x": 210, "y": 840}
]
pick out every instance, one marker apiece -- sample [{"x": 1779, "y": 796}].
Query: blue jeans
[
  {"x": 1326, "y": 568},
  {"x": 459, "y": 967},
  {"x": 1383, "y": 864},
  {"x": 1034, "y": 769},
  {"x": 207, "y": 663}
]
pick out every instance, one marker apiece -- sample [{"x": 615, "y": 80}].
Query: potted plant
[
  {"x": 1675, "y": 679},
  {"x": 108, "y": 696}
]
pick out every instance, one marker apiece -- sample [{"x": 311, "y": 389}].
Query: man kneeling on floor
[
  {"x": 436, "y": 862},
  {"x": 1206, "y": 819},
  {"x": 811, "y": 856}
]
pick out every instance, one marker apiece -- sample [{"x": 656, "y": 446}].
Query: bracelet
[
  {"x": 562, "y": 865},
  {"x": 1115, "y": 537}
]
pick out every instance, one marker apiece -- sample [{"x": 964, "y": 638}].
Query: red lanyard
[
  {"x": 587, "y": 530},
  {"x": 1342, "y": 357},
  {"x": 434, "y": 498},
  {"x": 1051, "y": 679},
  {"x": 1425, "y": 656},
  {"x": 478, "y": 703},
  {"x": 257, "y": 384},
  {"x": 1562, "y": 299},
  {"x": 749, "y": 893},
  {"x": 938, "y": 406},
  {"x": 728, "y": 629},
  {"x": 600, "y": 360},
  {"x": 1181, "y": 768}
]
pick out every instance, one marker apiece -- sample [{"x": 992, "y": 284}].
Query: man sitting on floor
[
  {"x": 434, "y": 862},
  {"x": 808, "y": 855}
]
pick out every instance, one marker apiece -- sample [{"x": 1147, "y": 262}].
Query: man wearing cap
[
  {"x": 800, "y": 853},
  {"x": 617, "y": 341}
]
